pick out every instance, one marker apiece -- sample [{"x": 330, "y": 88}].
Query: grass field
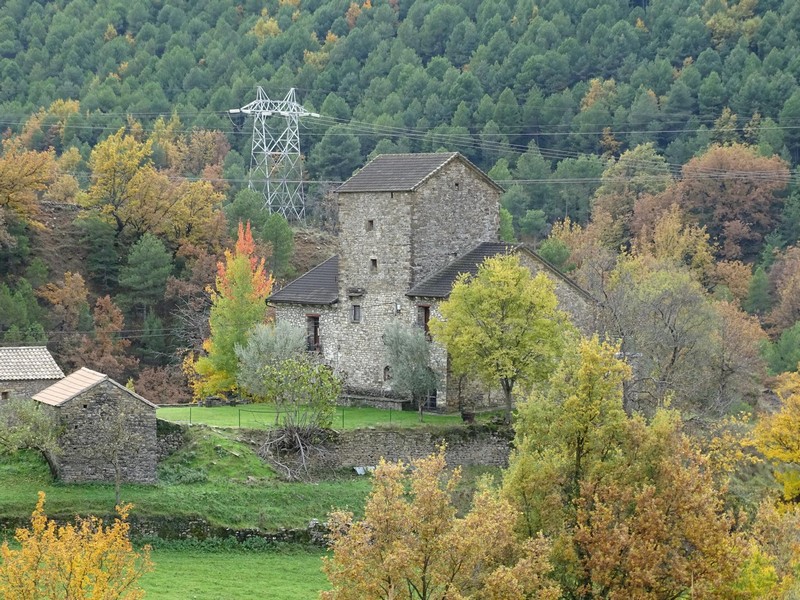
[
  {"x": 212, "y": 477},
  {"x": 262, "y": 416},
  {"x": 189, "y": 575}
]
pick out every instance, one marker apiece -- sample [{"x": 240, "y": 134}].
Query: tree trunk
[
  {"x": 117, "y": 484},
  {"x": 507, "y": 387}
]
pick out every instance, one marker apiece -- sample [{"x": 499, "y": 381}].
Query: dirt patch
[{"x": 311, "y": 247}]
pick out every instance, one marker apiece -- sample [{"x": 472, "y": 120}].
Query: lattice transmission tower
[{"x": 276, "y": 166}]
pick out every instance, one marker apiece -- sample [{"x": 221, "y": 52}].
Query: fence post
[
  {"x": 190, "y": 414},
  {"x": 390, "y": 414},
  {"x": 343, "y": 417},
  {"x": 240, "y": 417}
]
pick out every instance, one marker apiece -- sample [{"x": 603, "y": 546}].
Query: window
[
  {"x": 423, "y": 316},
  {"x": 355, "y": 313},
  {"x": 370, "y": 224},
  {"x": 373, "y": 265},
  {"x": 5, "y": 394},
  {"x": 456, "y": 185},
  {"x": 430, "y": 400},
  {"x": 387, "y": 373},
  {"x": 312, "y": 333}
]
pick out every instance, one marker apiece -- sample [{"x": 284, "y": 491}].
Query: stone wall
[
  {"x": 25, "y": 388},
  {"x": 101, "y": 424},
  {"x": 170, "y": 437},
  {"x": 581, "y": 308},
  {"x": 465, "y": 446},
  {"x": 382, "y": 402},
  {"x": 453, "y": 211},
  {"x": 408, "y": 235},
  {"x": 372, "y": 227}
]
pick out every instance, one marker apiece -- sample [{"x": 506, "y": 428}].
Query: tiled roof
[
  {"x": 401, "y": 172},
  {"x": 76, "y": 383},
  {"x": 318, "y": 286},
  {"x": 440, "y": 283},
  {"x": 28, "y": 362}
]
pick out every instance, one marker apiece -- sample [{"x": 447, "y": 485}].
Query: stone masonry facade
[
  {"x": 25, "y": 388},
  {"x": 408, "y": 235},
  {"x": 100, "y": 422},
  {"x": 390, "y": 241}
]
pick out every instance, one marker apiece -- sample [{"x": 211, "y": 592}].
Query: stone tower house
[{"x": 408, "y": 224}]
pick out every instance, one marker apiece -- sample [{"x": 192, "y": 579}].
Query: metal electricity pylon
[{"x": 276, "y": 166}]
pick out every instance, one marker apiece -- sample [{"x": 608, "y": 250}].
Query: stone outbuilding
[
  {"x": 105, "y": 427},
  {"x": 26, "y": 370},
  {"x": 408, "y": 225}
]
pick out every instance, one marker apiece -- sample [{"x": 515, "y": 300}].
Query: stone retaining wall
[
  {"x": 465, "y": 446},
  {"x": 384, "y": 402},
  {"x": 169, "y": 438}
]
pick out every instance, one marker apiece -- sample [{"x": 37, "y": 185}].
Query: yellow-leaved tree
[
  {"x": 76, "y": 562},
  {"x": 502, "y": 325},
  {"x": 115, "y": 163},
  {"x": 23, "y": 174},
  {"x": 410, "y": 543},
  {"x": 777, "y": 435},
  {"x": 632, "y": 507}
]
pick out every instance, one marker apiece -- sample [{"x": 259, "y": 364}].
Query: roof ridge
[
  {"x": 404, "y": 172},
  {"x": 436, "y": 170},
  {"x": 507, "y": 245}
]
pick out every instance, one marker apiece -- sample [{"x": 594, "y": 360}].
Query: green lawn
[
  {"x": 212, "y": 477},
  {"x": 190, "y": 575},
  {"x": 262, "y": 416}
]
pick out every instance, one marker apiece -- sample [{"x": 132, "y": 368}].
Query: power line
[{"x": 468, "y": 141}]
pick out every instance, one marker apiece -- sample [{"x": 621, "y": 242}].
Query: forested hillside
[{"x": 123, "y": 178}]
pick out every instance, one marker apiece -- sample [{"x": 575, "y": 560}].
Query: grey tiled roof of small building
[
  {"x": 440, "y": 283},
  {"x": 318, "y": 286},
  {"x": 28, "y": 362},
  {"x": 402, "y": 172}
]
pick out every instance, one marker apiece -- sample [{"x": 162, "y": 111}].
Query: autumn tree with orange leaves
[
  {"x": 241, "y": 288},
  {"x": 103, "y": 349},
  {"x": 80, "y": 561},
  {"x": 735, "y": 193}
]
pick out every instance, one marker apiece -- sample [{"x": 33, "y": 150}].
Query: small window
[
  {"x": 355, "y": 313},
  {"x": 457, "y": 185},
  {"x": 85, "y": 406},
  {"x": 370, "y": 224},
  {"x": 312, "y": 333},
  {"x": 423, "y": 316},
  {"x": 5, "y": 394},
  {"x": 373, "y": 265},
  {"x": 387, "y": 373}
]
